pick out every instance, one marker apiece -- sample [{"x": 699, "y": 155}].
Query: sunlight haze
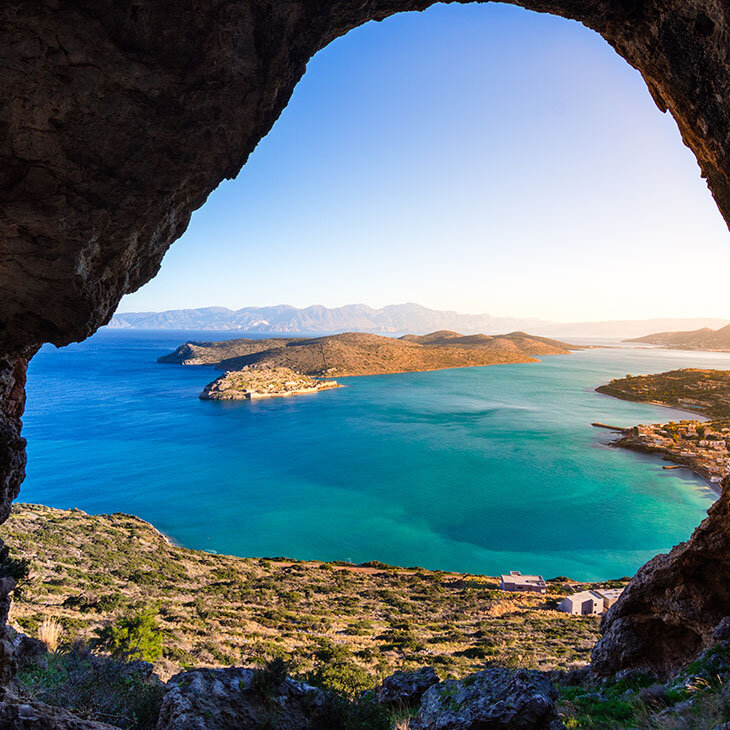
[{"x": 475, "y": 158}]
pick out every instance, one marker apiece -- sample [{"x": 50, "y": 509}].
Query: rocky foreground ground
[{"x": 320, "y": 646}]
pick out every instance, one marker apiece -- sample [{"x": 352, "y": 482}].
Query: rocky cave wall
[{"x": 118, "y": 119}]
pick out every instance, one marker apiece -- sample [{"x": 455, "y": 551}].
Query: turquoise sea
[{"x": 478, "y": 470}]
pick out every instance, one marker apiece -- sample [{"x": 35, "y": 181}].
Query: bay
[{"x": 479, "y": 470}]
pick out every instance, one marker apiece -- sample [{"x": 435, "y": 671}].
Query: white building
[{"x": 585, "y": 603}]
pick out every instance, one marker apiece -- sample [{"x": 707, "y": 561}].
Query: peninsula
[
  {"x": 705, "y": 339},
  {"x": 358, "y": 353},
  {"x": 704, "y": 447},
  {"x": 254, "y": 381}
]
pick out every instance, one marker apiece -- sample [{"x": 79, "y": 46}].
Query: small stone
[{"x": 721, "y": 632}]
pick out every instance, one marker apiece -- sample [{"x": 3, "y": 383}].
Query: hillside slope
[
  {"x": 211, "y": 353},
  {"x": 705, "y": 391},
  {"x": 214, "y": 610}
]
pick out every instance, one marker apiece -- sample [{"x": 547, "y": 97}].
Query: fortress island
[{"x": 254, "y": 382}]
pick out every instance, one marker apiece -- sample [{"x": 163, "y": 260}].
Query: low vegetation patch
[
  {"x": 116, "y": 582},
  {"x": 697, "y": 697}
]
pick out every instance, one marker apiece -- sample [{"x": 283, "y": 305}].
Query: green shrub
[
  {"x": 342, "y": 677},
  {"x": 403, "y": 639},
  {"x": 135, "y": 636},
  {"x": 327, "y": 651}
]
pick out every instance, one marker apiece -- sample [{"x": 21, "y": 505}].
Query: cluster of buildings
[
  {"x": 702, "y": 446},
  {"x": 583, "y": 603},
  {"x": 590, "y": 603}
]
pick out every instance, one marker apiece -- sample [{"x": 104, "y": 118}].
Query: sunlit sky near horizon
[{"x": 480, "y": 158}]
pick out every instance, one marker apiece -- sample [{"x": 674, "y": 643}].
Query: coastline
[
  {"x": 664, "y": 455},
  {"x": 625, "y": 441}
]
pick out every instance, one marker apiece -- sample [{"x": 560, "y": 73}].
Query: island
[
  {"x": 358, "y": 353},
  {"x": 703, "y": 446},
  {"x": 705, "y": 339},
  {"x": 253, "y": 382}
]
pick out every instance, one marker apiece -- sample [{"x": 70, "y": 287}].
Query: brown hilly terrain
[
  {"x": 702, "y": 339},
  {"x": 705, "y": 391},
  {"x": 356, "y": 353},
  {"x": 211, "y": 353}
]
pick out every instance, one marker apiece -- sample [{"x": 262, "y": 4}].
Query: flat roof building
[
  {"x": 609, "y": 595},
  {"x": 515, "y": 581},
  {"x": 585, "y": 603}
]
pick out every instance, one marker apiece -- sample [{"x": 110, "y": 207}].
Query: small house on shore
[
  {"x": 590, "y": 603},
  {"x": 585, "y": 603},
  {"x": 515, "y": 581}
]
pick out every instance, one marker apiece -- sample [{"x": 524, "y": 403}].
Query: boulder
[
  {"x": 497, "y": 699},
  {"x": 721, "y": 632},
  {"x": 236, "y": 698},
  {"x": 27, "y": 649},
  {"x": 405, "y": 689}
]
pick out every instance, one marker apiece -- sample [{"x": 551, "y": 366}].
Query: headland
[{"x": 703, "y": 446}]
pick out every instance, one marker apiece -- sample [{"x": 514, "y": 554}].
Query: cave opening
[{"x": 121, "y": 151}]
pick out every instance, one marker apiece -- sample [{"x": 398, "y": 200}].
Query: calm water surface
[{"x": 476, "y": 469}]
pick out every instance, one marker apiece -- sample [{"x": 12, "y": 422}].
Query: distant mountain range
[
  {"x": 350, "y": 318},
  {"x": 701, "y": 339},
  {"x": 395, "y": 318}
]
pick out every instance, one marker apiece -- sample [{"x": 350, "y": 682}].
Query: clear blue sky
[{"x": 479, "y": 158}]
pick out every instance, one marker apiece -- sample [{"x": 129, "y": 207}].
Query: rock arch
[{"x": 118, "y": 119}]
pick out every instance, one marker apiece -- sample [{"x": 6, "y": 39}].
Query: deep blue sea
[{"x": 478, "y": 470}]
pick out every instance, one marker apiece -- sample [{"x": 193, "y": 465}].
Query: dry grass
[{"x": 49, "y": 632}]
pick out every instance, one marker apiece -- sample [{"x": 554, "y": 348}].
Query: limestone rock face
[
  {"x": 499, "y": 699},
  {"x": 675, "y": 606},
  {"x": 227, "y": 699},
  {"x": 20, "y": 714},
  {"x": 12, "y": 444}
]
